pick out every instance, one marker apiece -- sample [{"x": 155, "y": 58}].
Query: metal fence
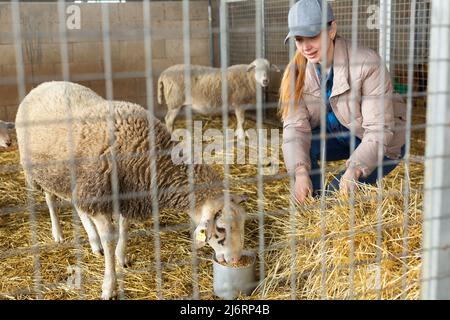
[
  {"x": 412, "y": 39},
  {"x": 241, "y": 33}
]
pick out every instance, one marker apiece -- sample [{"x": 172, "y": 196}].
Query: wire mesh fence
[{"x": 149, "y": 197}]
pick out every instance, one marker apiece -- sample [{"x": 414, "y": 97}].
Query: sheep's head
[
  {"x": 222, "y": 229},
  {"x": 262, "y": 68},
  {"x": 5, "y": 140}
]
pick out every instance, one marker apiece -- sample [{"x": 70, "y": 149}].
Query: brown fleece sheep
[{"x": 48, "y": 140}]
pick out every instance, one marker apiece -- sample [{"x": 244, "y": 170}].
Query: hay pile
[
  {"x": 333, "y": 251},
  {"x": 59, "y": 264}
]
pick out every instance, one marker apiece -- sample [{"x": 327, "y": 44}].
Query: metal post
[
  {"x": 436, "y": 227},
  {"x": 323, "y": 164},
  {"x": 385, "y": 15},
  {"x": 31, "y": 202},
  {"x": 106, "y": 37},
  {"x": 224, "y": 32},
  {"x": 263, "y": 54},
  {"x": 190, "y": 144},
  {"x": 64, "y": 49},
  {"x": 407, "y": 157},
  {"x": 259, "y": 121},
  {"x": 152, "y": 141},
  {"x": 385, "y": 22},
  {"x": 292, "y": 209},
  {"x": 211, "y": 35},
  {"x": 352, "y": 213}
]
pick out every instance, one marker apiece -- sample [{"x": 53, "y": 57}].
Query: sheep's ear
[
  {"x": 238, "y": 198},
  {"x": 275, "y": 68},
  {"x": 251, "y": 67}
]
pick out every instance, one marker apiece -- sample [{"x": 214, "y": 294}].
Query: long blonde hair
[{"x": 294, "y": 73}]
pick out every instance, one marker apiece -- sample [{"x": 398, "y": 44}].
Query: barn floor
[{"x": 31, "y": 262}]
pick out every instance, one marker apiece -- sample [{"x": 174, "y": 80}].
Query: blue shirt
[{"x": 332, "y": 123}]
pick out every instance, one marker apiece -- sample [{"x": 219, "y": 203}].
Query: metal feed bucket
[{"x": 230, "y": 282}]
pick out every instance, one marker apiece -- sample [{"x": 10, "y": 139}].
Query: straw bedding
[{"x": 31, "y": 262}]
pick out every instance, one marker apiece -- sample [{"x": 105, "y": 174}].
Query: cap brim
[
  {"x": 303, "y": 32},
  {"x": 287, "y": 37}
]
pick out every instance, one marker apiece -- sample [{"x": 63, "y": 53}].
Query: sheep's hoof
[
  {"x": 98, "y": 252},
  {"x": 124, "y": 264},
  {"x": 96, "y": 247},
  {"x": 109, "y": 294},
  {"x": 58, "y": 238}
]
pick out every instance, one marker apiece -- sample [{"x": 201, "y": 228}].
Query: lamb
[
  {"x": 206, "y": 85},
  {"x": 5, "y": 139},
  {"x": 46, "y": 160}
]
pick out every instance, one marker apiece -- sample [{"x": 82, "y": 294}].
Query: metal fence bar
[
  {"x": 16, "y": 21},
  {"x": 259, "y": 127},
  {"x": 152, "y": 142},
  {"x": 106, "y": 36},
  {"x": 292, "y": 209},
  {"x": 224, "y": 55},
  {"x": 385, "y": 37},
  {"x": 407, "y": 158},
  {"x": 355, "y": 4},
  {"x": 263, "y": 31},
  {"x": 66, "y": 77},
  {"x": 211, "y": 35},
  {"x": 190, "y": 147},
  {"x": 384, "y": 49},
  {"x": 436, "y": 235},
  {"x": 323, "y": 153}
]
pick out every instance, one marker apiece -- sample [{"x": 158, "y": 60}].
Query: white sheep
[
  {"x": 5, "y": 139},
  {"x": 25, "y": 133},
  {"x": 51, "y": 140},
  {"x": 206, "y": 89}
]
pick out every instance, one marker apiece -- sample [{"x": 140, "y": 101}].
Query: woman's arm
[
  {"x": 297, "y": 140},
  {"x": 377, "y": 113},
  {"x": 296, "y": 148}
]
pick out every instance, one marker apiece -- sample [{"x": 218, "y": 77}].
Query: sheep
[
  {"x": 25, "y": 133},
  {"x": 206, "y": 85},
  {"x": 5, "y": 139},
  {"x": 45, "y": 159}
]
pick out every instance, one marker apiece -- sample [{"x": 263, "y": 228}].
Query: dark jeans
[{"x": 338, "y": 148}]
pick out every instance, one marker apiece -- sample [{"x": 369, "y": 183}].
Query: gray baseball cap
[{"x": 305, "y": 18}]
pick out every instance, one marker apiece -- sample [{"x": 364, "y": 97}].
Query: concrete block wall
[{"x": 39, "y": 23}]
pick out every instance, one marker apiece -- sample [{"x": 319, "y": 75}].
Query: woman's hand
[
  {"x": 303, "y": 186},
  {"x": 349, "y": 179}
]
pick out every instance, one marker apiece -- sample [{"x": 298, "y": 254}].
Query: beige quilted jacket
[{"x": 380, "y": 113}]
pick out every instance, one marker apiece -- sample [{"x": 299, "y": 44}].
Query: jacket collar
[{"x": 340, "y": 67}]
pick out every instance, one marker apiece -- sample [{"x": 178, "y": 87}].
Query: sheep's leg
[
  {"x": 56, "y": 226},
  {"x": 93, "y": 237},
  {"x": 240, "y": 117},
  {"x": 170, "y": 117},
  {"x": 122, "y": 243},
  {"x": 107, "y": 235}
]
